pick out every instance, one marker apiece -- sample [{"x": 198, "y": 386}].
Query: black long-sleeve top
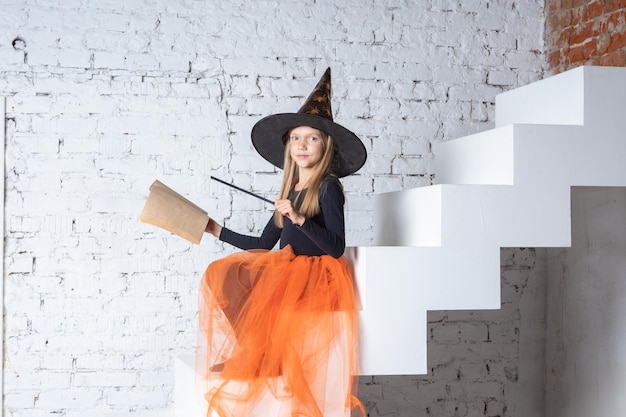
[{"x": 323, "y": 234}]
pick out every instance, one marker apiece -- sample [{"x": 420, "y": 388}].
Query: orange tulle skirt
[{"x": 277, "y": 336}]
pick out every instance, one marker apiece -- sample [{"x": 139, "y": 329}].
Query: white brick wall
[{"x": 104, "y": 97}]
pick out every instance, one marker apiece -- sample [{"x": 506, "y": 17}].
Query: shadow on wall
[{"x": 586, "y": 306}]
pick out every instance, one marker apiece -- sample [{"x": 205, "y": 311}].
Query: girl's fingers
[{"x": 283, "y": 206}]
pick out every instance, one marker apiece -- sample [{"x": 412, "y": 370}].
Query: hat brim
[{"x": 267, "y": 139}]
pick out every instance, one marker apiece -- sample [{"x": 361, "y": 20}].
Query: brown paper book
[{"x": 167, "y": 209}]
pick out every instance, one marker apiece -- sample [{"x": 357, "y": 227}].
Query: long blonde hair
[{"x": 310, "y": 204}]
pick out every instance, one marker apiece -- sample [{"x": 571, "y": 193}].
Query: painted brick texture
[
  {"x": 585, "y": 33},
  {"x": 104, "y": 97}
]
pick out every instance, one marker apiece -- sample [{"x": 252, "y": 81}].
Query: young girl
[{"x": 278, "y": 329}]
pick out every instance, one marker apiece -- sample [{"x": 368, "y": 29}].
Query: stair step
[
  {"x": 484, "y": 158},
  {"x": 416, "y": 217},
  {"x": 555, "y": 100},
  {"x": 574, "y": 97}
]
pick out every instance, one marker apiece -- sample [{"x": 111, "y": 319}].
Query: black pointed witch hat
[{"x": 268, "y": 134}]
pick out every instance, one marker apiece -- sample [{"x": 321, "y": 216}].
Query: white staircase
[
  {"x": 508, "y": 187},
  {"x": 438, "y": 247}
]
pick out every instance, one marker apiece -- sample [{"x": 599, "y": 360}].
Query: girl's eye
[
  {"x": 313, "y": 139},
  {"x": 294, "y": 138}
]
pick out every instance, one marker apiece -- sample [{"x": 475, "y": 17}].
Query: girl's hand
[
  {"x": 285, "y": 208},
  {"x": 213, "y": 228}
]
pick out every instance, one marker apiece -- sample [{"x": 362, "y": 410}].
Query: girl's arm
[{"x": 267, "y": 240}]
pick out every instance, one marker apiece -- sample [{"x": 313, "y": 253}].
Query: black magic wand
[{"x": 241, "y": 189}]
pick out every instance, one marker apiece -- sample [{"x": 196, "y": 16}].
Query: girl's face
[{"x": 306, "y": 146}]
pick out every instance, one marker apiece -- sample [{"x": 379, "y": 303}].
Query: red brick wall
[{"x": 580, "y": 32}]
